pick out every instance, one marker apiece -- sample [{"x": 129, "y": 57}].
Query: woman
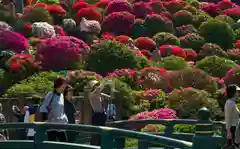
[
  {"x": 70, "y": 111},
  {"x": 231, "y": 113},
  {"x": 53, "y": 110},
  {"x": 99, "y": 116},
  {"x": 4, "y": 132}
]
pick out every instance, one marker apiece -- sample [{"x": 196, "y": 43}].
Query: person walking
[
  {"x": 70, "y": 111},
  {"x": 52, "y": 110},
  {"x": 231, "y": 113},
  {"x": 4, "y": 132},
  {"x": 99, "y": 116}
]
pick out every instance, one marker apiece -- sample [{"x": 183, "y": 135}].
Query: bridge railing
[
  {"x": 216, "y": 129},
  {"x": 108, "y": 137}
]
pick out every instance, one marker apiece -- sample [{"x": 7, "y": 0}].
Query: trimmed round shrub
[
  {"x": 153, "y": 78},
  {"x": 63, "y": 52},
  {"x": 13, "y": 41},
  {"x": 22, "y": 65},
  {"x": 210, "y": 49},
  {"x": 119, "y": 6},
  {"x": 145, "y": 43},
  {"x": 164, "y": 38},
  {"x": 138, "y": 29},
  {"x": 191, "y": 77},
  {"x": 79, "y": 5},
  {"x": 187, "y": 101},
  {"x": 218, "y": 32},
  {"x": 37, "y": 14},
  {"x": 200, "y": 18},
  {"x": 118, "y": 23},
  {"x": 193, "y": 41},
  {"x": 157, "y": 6},
  {"x": 232, "y": 76},
  {"x": 183, "y": 17},
  {"x": 191, "y": 55},
  {"x": 211, "y": 8},
  {"x": 56, "y": 10},
  {"x": 141, "y": 9},
  {"x": 79, "y": 79},
  {"x": 174, "y": 6},
  {"x": 233, "y": 13},
  {"x": 172, "y": 63},
  {"x": 191, "y": 9},
  {"x": 157, "y": 23},
  {"x": 89, "y": 14},
  {"x": 43, "y": 30},
  {"x": 226, "y": 19},
  {"x": 168, "y": 50},
  {"x": 119, "y": 56},
  {"x": 215, "y": 66},
  {"x": 37, "y": 85},
  {"x": 237, "y": 34},
  {"x": 185, "y": 29},
  {"x": 234, "y": 54}
]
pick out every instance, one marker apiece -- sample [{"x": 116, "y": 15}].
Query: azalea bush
[
  {"x": 183, "y": 17},
  {"x": 171, "y": 63},
  {"x": 168, "y": 50},
  {"x": 145, "y": 43},
  {"x": 232, "y": 76},
  {"x": 193, "y": 41},
  {"x": 164, "y": 38},
  {"x": 188, "y": 101},
  {"x": 110, "y": 55},
  {"x": 63, "y": 52},
  {"x": 119, "y": 6},
  {"x": 215, "y": 66},
  {"x": 185, "y": 29},
  {"x": 210, "y": 49}
]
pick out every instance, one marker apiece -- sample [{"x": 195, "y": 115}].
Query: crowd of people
[{"x": 58, "y": 107}]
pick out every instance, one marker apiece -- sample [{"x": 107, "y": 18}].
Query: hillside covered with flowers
[{"x": 167, "y": 58}]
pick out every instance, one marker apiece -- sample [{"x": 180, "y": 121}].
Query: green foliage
[
  {"x": 193, "y": 41},
  {"x": 237, "y": 34},
  {"x": 210, "y": 49},
  {"x": 200, "y": 18},
  {"x": 215, "y": 31},
  {"x": 110, "y": 55},
  {"x": 164, "y": 38},
  {"x": 226, "y": 19},
  {"x": 49, "y": 1},
  {"x": 171, "y": 63},
  {"x": 184, "y": 128},
  {"x": 35, "y": 85},
  {"x": 183, "y": 17},
  {"x": 5, "y": 80},
  {"x": 186, "y": 101},
  {"x": 215, "y": 66}
]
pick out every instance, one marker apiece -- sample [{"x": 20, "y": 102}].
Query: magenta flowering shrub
[
  {"x": 118, "y": 23},
  {"x": 13, "y": 41},
  {"x": 119, "y": 6},
  {"x": 63, "y": 52},
  {"x": 232, "y": 76},
  {"x": 211, "y": 8},
  {"x": 185, "y": 29},
  {"x": 142, "y": 9},
  {"x": 164, "y": 113},
  {"x": 125, "y": 75},
  {"x": 158, "y": 23}
]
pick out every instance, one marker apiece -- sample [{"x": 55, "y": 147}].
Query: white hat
[{"x": 92, "y": 83}]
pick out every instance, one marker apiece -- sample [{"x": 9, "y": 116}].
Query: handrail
[{"x": 114, "y": 132}]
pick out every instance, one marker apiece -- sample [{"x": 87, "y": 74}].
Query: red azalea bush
[
  {"x": 185, "y": 29},
  {"x": 237, "y": 44},
  {"x": 123, "y": 39},
  {"x": 56, "y": 10},
  {"x": 145, "y": 43},
  {"x": 163, "y": 113},
  {"x": 167, "y": 50},
  {"x": 141, "y": 9},
  {"x": 225, "y": 4},
  {"x": 118, "y": 23},
  {"x": 13, "y": 41},
  {"x": 79, "y": 5},
  {"x": 89, "y": 14},
  {"x": 22, "y": 65},
  {"x": 119, "y": 6},
  {"x": 102, "y": 4},
  {"x": 63, "y": 52},
  {"x": 191, "y": 55},
  {"x": 232, "y": 76},
  {"x": 157, "y": 23},
  {"x": 174, "y": 5},
  {"x": 183, "y": 17},
  {"x": 233, "y": 12},
  {"x": 211, "y": 8}
]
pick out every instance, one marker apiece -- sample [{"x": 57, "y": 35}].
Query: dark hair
[
  {"x": 59, "y": 82},
  {"x": 231, "y": 91},
  {"x": 66, "y": 90}
]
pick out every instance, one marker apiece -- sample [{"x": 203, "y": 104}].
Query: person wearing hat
[
  {"x": 99, "y": 116},
  {"x": 231, "y": 113}
]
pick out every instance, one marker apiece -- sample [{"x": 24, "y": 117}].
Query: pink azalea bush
[
  {"x": 119, "y": 6},
  {"x": 61, "y": 52}
]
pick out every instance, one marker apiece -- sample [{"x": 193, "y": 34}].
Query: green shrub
[
  {"x": 37, "y": 85},
  {"x": 164, "y": 38},
  {"x": 183, "y": 17},
  {"x": 192, "y": 41},
  {"x": 215, "y": 66},
  {"x": 187, "y": 102},
  {"x": 237, "y": 34},
  {"x": 184, "y": 128},
  {"x": 171, "y": 63},
  {"x": 110, "y": 55},
  {"x": 191, "y": 77},
  {"x": 215, "y": 31},
  {"x": 6, "y": 80},
  {"x": 200, "y": 18},
  {"x": 226, "y": 19},
  {"x": 210, "y": 49}
]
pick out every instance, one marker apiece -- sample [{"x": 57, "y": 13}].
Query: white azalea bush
[{"x": 43, "y": 30}]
